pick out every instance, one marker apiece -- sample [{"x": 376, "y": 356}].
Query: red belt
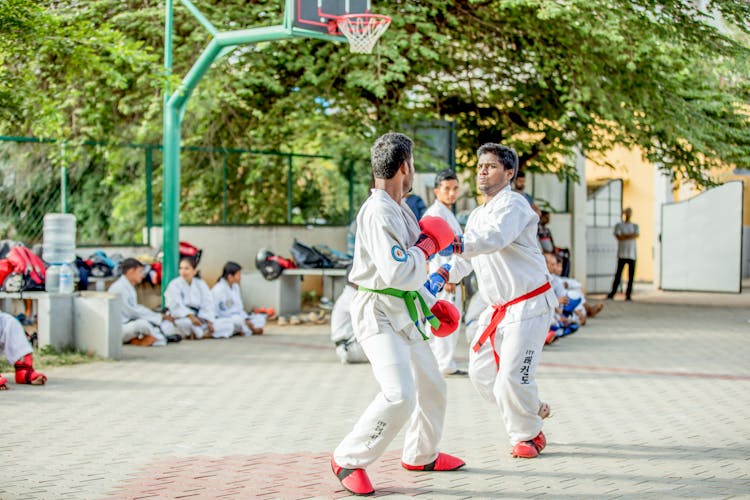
[{"x": 499, "y": 314}]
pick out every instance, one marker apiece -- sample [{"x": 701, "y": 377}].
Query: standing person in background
[
  {"x": 446, "y": 194},
  {"x": 626, "y": 233},
  {"x": 17, "y": 350},
  {"x": 417, "y": 205},
  {"x": 140, "y": 325},
  {"x": 190, "y": 302},
  {"x": 519, "y": 186},
  {"x": 228, "y": 301},
  {"x": 501, "y": 240},
  {"x": 390, "y": 268}
]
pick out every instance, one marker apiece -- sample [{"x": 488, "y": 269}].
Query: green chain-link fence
[{"x": 115, "y": 190}]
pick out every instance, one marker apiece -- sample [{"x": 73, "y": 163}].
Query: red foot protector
[
  {"x": 354, "y": 481},
  {"x": 441, "y": 463},
  {"x": 3, "y": 382},
  {"x": 25, "y": 373},
  {"x": 530, "y": 449}
]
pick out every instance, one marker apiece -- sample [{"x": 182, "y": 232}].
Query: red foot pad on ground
[
  {"x": 530, "y": 449},
  {"x": 443, "y": 462},
  {"x": 3, "y": 383},
  {"x": 355, "y": 481},
  {"x": 25, "y": 373}
]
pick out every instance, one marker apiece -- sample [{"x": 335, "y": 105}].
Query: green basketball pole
[{"x": 221, "y": 43}]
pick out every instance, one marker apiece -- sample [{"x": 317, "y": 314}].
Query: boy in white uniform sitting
[{"x": 140, "y": 325}]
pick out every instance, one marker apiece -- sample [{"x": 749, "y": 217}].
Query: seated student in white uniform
[
  {"x": 228, "y": 301},
  {"x": 190, "y": 302},
  {"x": 140, "y": 325},
  {"x": 17, "y": 351},
  {"x": 342, "y": 330}
]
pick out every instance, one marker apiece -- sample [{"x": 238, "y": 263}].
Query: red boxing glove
[
  {"x": 436, "y": 235},
  {"x": 448, "y": 316}
]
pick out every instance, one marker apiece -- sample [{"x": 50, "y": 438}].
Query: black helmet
[{"x": 268, "y": 267}]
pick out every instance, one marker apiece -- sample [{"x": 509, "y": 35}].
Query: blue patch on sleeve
[{"x": 398, "y": 253}]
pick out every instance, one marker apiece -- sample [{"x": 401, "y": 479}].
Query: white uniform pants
[
  {"x": 410, "y": 386},
  {"x": 444, "y": 348},
  {"x": 13, "y": 341},
  {"x": 351, "y": 352},
  {"x": 137, "y": 327},
  {"x": 513, "y": 387},
  {"x": 223, "y": 328},
  {"x": 239, "y": 323}
]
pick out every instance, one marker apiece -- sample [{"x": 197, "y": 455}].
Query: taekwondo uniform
[
  {"x": 444, "y": 348},
  {"x": 13, "y": 341},
  {"x": 228, "y": 301},
  {"x": 500, "y": 240},
  {"x": 182, "y": 299},
  {"x": 411, "y": 386},
  {"x": 342, "y": 331},
  {"x": 137, "y": 319}
]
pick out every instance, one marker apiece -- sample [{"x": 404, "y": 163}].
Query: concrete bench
[
  {"x": 85, "y": 321},
  {"x": 284, "y": 294}
]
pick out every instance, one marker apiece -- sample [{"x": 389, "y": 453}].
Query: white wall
[{"x": 702, "y": 241}]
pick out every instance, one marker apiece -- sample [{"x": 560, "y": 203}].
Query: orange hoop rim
[{"x": 362, "y": 30}]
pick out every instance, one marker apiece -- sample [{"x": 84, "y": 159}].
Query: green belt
[{"x": 410, "y": 298}]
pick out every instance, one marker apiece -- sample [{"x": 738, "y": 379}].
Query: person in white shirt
[
  {"x": 500, "y": 239},
  {"x": 189, "y": 301},
  {"x": 17, "y": 350},
  {"x": 626, "y": 233},
  {"x": 390, "y": 269},
  {"x": 140, "y": 325},
  {"x": 228, "y": 301},
  {"x": 446, "y": 193},
  {"x": 342, "y": 331}
]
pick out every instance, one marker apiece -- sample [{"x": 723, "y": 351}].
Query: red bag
[
  {"x": 5, "y": 269},
  {"x": 29, "y": 265}
]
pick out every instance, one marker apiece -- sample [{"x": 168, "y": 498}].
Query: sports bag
[
  {"x": 307, "y": 257},
  {"x": 30, "y": 268}
]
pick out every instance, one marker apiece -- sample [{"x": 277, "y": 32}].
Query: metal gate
[{"x": 603, "y": 211}]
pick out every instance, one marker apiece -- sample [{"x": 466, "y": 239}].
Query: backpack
[
  {"x": 28, "y": 266},
  {"x": 307, "y": 257}
]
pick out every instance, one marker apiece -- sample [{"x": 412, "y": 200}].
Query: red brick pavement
[{"x": 267, "y": 475}]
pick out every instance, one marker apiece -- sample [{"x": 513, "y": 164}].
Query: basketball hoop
[{"x": 362, "y": 30}]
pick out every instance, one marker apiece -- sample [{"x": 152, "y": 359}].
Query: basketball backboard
[{"x": 320, "y": 15}]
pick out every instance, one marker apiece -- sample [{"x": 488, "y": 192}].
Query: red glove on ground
[
  {"x": 448, "y": 316},
  {"x": 436, "y": 235}
]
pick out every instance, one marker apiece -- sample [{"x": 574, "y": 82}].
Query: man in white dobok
[
  {"x": 500, "y": 240},
  {"x": 446, "y": 193},
  {"x": 390, "y": 268}
]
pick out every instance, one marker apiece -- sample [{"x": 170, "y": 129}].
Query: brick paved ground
[{"x": 650, "y": 400}]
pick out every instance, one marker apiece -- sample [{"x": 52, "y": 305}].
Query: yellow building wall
[{"x": 637, "y": 193}]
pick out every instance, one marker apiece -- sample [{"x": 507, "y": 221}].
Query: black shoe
[
  {"x": 457, "y": 373},
  {"x": 174, "y": 338}
]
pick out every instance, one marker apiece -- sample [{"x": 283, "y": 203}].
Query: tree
[{"x": 544, "y": 76}]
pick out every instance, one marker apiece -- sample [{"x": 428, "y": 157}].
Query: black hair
[
  {"x": 388, "y": 153},
  {"x": 230, "y": 268},
  {"x": 190, "y": 260},
  {"x": 445, "y": 175},
  {"x": 130, "y": 263},
  {"x": 521, "y": 174},
  {"x": 544, "y": 212},
  {"x": 506, "y": 155}
]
